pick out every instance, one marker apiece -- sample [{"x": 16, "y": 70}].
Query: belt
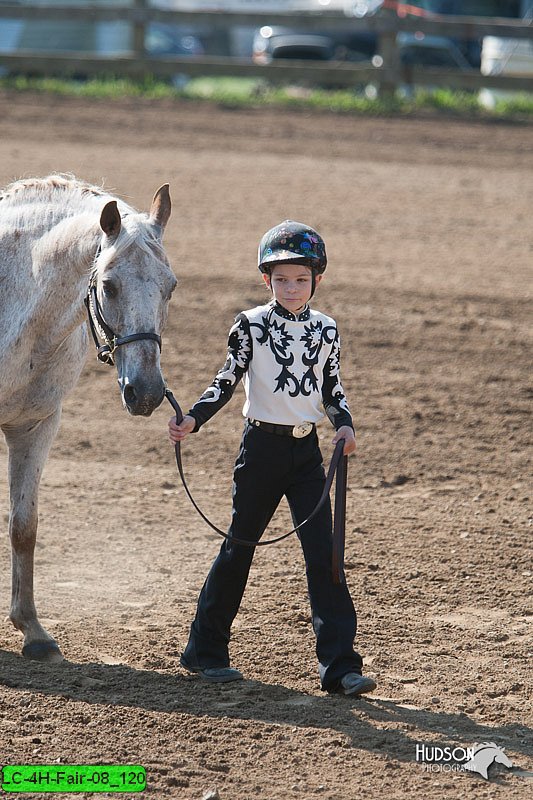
[{"x": 298, "y": 431}]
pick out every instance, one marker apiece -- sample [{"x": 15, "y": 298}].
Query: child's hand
[
  {"x": 348, "y": 435},
  {"x": 178, "y": 432}
]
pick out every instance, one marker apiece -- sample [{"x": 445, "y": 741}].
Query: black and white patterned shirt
[{"x": 290, "y": 367}]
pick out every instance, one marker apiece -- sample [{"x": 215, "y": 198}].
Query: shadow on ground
[{"x": 372, "y": 724}]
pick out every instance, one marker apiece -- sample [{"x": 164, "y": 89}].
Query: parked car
[
  {"x": 172, "y": 40},
  {"x": 444, "y": 51},
  {"x": 113, "y": 38},
  {"x": 439, "y": 51},
  {"x": 272, "y": 42},
  {"x": 333, "y": 44}
]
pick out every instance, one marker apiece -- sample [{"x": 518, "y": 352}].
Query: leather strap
[
  {"x": 339, "y": 520},
  {"x": 105, "y": 351},
  {"x": 338, "y": 465}
]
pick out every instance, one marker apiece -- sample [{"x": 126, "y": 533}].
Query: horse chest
[{"x": 35, "y": 379}]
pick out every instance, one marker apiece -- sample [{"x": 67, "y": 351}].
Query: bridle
[{"x": 100, "y": 329}]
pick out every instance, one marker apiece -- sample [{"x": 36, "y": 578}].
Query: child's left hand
[{"x": 348, "y": 435}]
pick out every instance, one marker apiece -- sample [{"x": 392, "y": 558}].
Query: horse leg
[{"x": 28, "y": 450}]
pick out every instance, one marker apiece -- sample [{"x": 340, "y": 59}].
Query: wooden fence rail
[{"x": 388, "y": 75}]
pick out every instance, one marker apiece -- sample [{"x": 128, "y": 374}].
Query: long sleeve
[
  {"x": 237, "y": 361},
  {"x": 333, "y": 397}
]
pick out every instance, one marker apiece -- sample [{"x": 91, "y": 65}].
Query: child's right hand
[{"x": 178, "y": 432}]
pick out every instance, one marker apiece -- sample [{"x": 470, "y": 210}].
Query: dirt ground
[{"x": 428, "y": 226}]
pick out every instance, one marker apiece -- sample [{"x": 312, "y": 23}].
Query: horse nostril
[{"x": 130, "y": 395}]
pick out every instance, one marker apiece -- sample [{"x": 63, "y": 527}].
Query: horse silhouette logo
[{"x": 486, "y": 754}]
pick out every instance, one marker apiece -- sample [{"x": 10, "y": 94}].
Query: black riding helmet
[{"x": 293, "y": 242}]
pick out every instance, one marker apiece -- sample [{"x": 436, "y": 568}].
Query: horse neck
[
  {"x": 483, "y": 759},
  {"x": 53, "y": 258},
  {"x": 73, "y": 243}
]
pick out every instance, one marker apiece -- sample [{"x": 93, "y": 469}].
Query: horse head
[
  {"x": 134, "y": 283},
  {"x": 502, "y": 758},
  {"x": 484, "y": 755}
]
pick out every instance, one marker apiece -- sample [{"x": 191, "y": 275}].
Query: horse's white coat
[{"x": 50, "y": 231}]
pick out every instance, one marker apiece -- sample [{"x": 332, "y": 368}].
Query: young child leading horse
[{"x": 287, "y": 355}]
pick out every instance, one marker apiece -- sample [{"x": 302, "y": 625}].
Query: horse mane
[
  {"x": 54, "y": 187},
  {"x": 487, "y": 745},
  {"x": 131, "y": 232},
  {"x": 45, "y": 188}
]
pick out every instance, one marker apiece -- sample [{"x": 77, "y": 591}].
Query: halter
[{"x": 100, "y": 330}]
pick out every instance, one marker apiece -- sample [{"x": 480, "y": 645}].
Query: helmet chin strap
[{"x": 313, "y": 282}]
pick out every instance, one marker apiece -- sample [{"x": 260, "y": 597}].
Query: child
[{"x": 288, "y": 357}]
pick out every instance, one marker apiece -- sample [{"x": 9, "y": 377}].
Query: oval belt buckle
[{"x": 302, "y": 430}]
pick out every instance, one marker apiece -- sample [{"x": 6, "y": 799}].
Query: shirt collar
[{"x": 303, "y": 316}]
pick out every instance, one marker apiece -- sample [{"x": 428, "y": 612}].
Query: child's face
[{"x": 291, "y": 285}]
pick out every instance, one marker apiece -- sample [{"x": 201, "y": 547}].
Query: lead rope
[{"x": 338, "y": 466}]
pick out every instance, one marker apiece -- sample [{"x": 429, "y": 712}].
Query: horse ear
[
  {"x": 161, "y": 206},
  {"x": 110, "y": 219}
]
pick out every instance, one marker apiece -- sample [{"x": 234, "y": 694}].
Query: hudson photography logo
[{"x": 477, "y": 758}]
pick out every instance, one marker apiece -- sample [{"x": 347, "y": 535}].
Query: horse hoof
[{"x": 43, "y": 651}]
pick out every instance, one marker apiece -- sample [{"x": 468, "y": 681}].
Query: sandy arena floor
[{"x": 428, "y": 226}]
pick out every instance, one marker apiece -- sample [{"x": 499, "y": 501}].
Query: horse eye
[{"x": 109, "y": 289}]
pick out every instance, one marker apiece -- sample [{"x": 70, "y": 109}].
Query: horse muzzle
[{"x": 141, "y": 398}]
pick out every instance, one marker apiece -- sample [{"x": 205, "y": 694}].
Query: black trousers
[{"x": 268, "y": 467}]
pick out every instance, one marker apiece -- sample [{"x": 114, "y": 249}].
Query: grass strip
[{"x": 251, "y": 92}]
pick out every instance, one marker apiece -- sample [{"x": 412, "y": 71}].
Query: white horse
[{"x": 56, "y": 235}]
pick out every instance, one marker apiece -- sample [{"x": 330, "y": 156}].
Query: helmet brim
[{"x": 289, "y": 257}]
